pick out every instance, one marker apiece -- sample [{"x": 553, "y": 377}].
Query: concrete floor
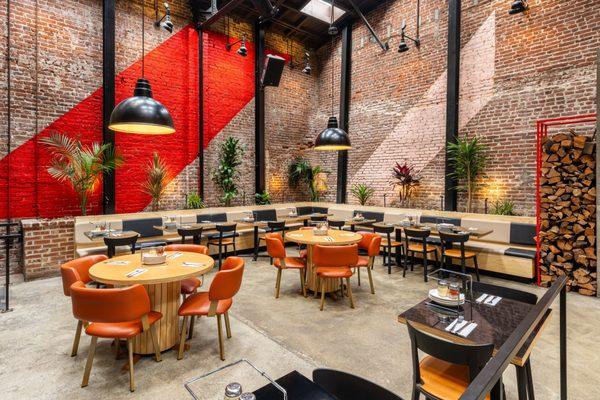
[{"x": 277, "y": 335}]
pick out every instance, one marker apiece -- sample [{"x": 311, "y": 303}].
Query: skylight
[{"x": 321, "y": 9}]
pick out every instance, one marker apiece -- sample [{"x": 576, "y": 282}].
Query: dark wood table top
[
  {"x": 478, "y": 233},
  {"x": 494, "y": 324},
  {"x": 99, "y": 236},
  {"x": 298, "y": 387}
]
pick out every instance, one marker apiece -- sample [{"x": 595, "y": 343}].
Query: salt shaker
[{"x": 233, "y": 391}]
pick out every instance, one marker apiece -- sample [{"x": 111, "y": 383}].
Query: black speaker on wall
[{"x": 272, "y": 70}]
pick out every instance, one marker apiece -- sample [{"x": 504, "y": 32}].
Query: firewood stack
[{"x": 568, "y": 211}]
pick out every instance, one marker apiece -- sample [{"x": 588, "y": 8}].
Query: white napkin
[
  {"x": 465, "y": 332},
  {"x": 175, "y": 255},
  {"x": 117, "y": 262},
  {"x": 329, "y": 238},
  {"x": 492, "y": 301},
  {"x": 136, "y": 272},
  {"x": 454, "y": 324},
  {"x": 193, "y": 264},
  {"x": 459, "y": 326},
  {"x": 480, "y": 298}
]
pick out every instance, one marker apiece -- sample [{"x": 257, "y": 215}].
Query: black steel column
[
  {"x": 200, "y": 112},
  {"x": 345, "y": 86},
  {"x": 259, "y": 108},
  {"x": 108, "y": 96},
  {"x": 452, "y": 97}
]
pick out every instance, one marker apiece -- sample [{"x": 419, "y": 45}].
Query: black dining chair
[
  {"x": 195, "y": 233},
  {"x": 524, "y": 375},
  {"x": 113, "y": 242},
  {"x": 336, "y": 223},
  {"x": 448, "y": 368},
  {"x": 315, "y": 219},
  {"x": 272, "y": 227},
  {"x": 415, "y": 241},
  {"x": 345, "y": 386},
  {"x": 448, "y": 252},
  {"x": 225, "y": 237},
  {"x": 387, "y": 244}
]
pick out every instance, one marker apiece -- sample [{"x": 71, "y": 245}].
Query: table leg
[
  {"x": 164, "y": 298},
  {"x": 255, "y": 243}
]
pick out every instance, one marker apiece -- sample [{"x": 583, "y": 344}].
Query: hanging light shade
[
  {"x": 141, "y": 113},
  {"x": 333, "y": 138}
]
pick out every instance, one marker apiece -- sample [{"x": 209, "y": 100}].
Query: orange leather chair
[
  {"x": 335, "y": 262},
  {"x": 189, "y": 285},
  {"x": 114, "y": 313},
  {"x": 371, "y": 243},
  {"x": 276, "y": 250},
  {"x": 216, "y": 302},
  {"x": 71, "y": 272}
]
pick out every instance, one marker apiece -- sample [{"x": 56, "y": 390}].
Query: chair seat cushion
[
  {"x": 334, "y": 272},
  {"x": 291, "y": 262},
  {"x": 363, "y": 261},
  {"x": 189, "y": 285},
  {"x": 521, "y": 253},
  {"x": 419, "y": 247},
  {"x": 223, "y": 241},
  {"x": 393, "y": 243},
  {"x": 199, "y": 303},
  {"x": 123, "y": 330},
  {"x": 455, "y": 253},
  {"x": 442, "y": 379}
]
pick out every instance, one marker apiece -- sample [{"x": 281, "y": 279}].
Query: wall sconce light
[
  {"x": 403, "y": 46},
  {"x": 518, "y": 6},
  {"x": 307, "y": 68},
  {"x": 242, "y": 51},
  {"x": 165, "y": 21}
]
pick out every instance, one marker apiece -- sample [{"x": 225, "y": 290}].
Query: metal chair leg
[
  {"x": 529, "y": 375},
  {"x": 477, "y": 270}
]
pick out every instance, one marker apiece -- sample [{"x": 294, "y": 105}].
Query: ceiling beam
[{"x": 223, "y": 11}]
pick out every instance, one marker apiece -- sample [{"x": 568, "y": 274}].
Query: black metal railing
[
  {"x": 9, "y": 237},
  {"x": 490, "y": 378}
]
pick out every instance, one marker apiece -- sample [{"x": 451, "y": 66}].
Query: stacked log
[{"x": 568, "y": 211}]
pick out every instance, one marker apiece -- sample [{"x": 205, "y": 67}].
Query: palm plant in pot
[
  {"x": 362, "y": 193},
  {"x": 468, "y": 158},
  {"x": 405, "y": 180},
  {"x": 81, "y": 166},
  {"x": 156, "y": 180},
  {"x": 230, "y": 158}
]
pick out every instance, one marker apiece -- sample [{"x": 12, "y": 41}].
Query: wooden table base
[{"x": 164, "y": 298}]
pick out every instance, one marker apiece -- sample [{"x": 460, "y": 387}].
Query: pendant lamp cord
[
  {"x": 143, "y": 31},
  {"x": 332, "y": 58}
]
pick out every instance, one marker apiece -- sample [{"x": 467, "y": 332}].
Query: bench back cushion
[
  {"x": 304, "y": 210},
  {"x": 265, "y": 215},
  {"x": 433, "y": 219},
  {"x": 522, "y": 234},
  {"x": 143, "y": 226},
  {"x": 320, "y": 210},
  {"x": 501, "y": 229},
  {"x": 220, "y": 217}
]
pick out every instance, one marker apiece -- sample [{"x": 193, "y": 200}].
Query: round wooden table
[
  {"x": 163, "y": 284},
  {"x": 307, "y": 237}
]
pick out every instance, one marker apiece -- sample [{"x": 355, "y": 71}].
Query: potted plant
[
  {"x": 468, "y": 157},
  {"x": 503, "y": 207},
  {"x": 80, "y": 165},
  {"x": 299, "y": 172},
  {"x": 156, "y": 180},
  {"x": 405, "y": 181},
  {"x": 263, "y": 198},
  {"x": 194, "y": 201},
  {"x": 362, "y": 193},
  {"x": 318, "y": 183},
  {"x": 230, "y": 158}
]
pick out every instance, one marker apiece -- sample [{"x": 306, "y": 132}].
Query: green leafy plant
[
  {"x": 230, "y": 158},
  {"x": 299, "y": 172},
  {"x": 503, "y": 207},
  {"x": 81, "y": 166},
  {"x": 262, "y": 198},
  {"x": 468, "y": 158},
  {"x": 194, "y": 201},
  {"x": 405, "y": 180},
  {"x": 157, "y": 178},
  {"x": 362, "y": 193}
]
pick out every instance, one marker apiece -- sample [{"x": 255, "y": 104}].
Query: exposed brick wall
[{"x": 48, "y": 244}]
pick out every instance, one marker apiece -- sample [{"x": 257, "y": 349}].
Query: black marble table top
[
  {"x": 298, "y": 387},
  {"x": 494, "y": 324}
]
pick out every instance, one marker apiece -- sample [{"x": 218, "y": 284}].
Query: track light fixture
[
  {"x": 518, "y": 6},
  {"x": 307, "y": 68},
  {"x": 165, "y": 21},
  {"x": 403, "y": 46},
  {"x": 243, "y": 50}
]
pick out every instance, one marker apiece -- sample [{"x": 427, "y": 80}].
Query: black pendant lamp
[
  {"x": 141, "y": 113},
  {"x": 333, "y": 138}
]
